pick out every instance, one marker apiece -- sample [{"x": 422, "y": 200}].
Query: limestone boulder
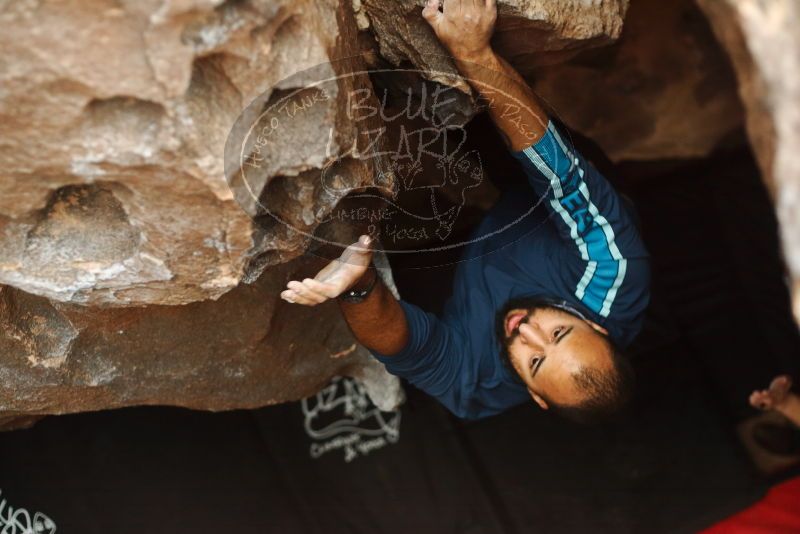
[
  {"x": 658, "y": 86},
  {"x": 129, "y": 262},
  {"x": 763, "y": 42},
  {"x": 528, "y": 32},
  {"x": 664, "y": 90},
  {"x": 246, "y": 349},
  {"x": 113, "y": 120}
]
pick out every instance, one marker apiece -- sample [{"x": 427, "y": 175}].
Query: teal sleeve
[
  {"x": 433, "y": 358},
  {"x": 606, "y": 257}
]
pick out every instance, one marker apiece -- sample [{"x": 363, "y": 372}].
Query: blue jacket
[{"x": 566, "y": 235}]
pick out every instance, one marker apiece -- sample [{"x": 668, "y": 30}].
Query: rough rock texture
[
  {"x": 121, "y": 243},
  {"x": 246, "y": 349},
  {"x": 528, "y": 33},
  {"x": 113, "y": 119},
  {"x": 665, "y": 90},
  {"x": 763, "y": 41}
]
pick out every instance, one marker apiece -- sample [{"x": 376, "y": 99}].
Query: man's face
[{"x": 547, "y": 346}]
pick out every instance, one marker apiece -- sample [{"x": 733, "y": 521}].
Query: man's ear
[
  {"x": 597, "y": 327},
  {"x": 540, "y": 401}
]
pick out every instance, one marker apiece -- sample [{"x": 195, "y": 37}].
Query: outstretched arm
[
  {"x": 410, "y": 342},
  {"x": 378, "y": 321},
  {"x": 465, "y": 27},
  {"x": 604, "y": 261}
]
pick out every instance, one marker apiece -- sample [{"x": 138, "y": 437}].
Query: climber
[{"x": 560, "y": 303}]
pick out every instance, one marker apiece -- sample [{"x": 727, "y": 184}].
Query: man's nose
[{"x": 531, "y": 334}]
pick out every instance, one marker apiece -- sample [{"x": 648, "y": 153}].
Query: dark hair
[{"x": 607, "y": 392}]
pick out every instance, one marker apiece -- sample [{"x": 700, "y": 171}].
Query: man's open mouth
[{"x": 513, "y": 321}]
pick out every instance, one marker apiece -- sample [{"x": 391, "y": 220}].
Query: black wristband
[{"x": 358, "y": 295}]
